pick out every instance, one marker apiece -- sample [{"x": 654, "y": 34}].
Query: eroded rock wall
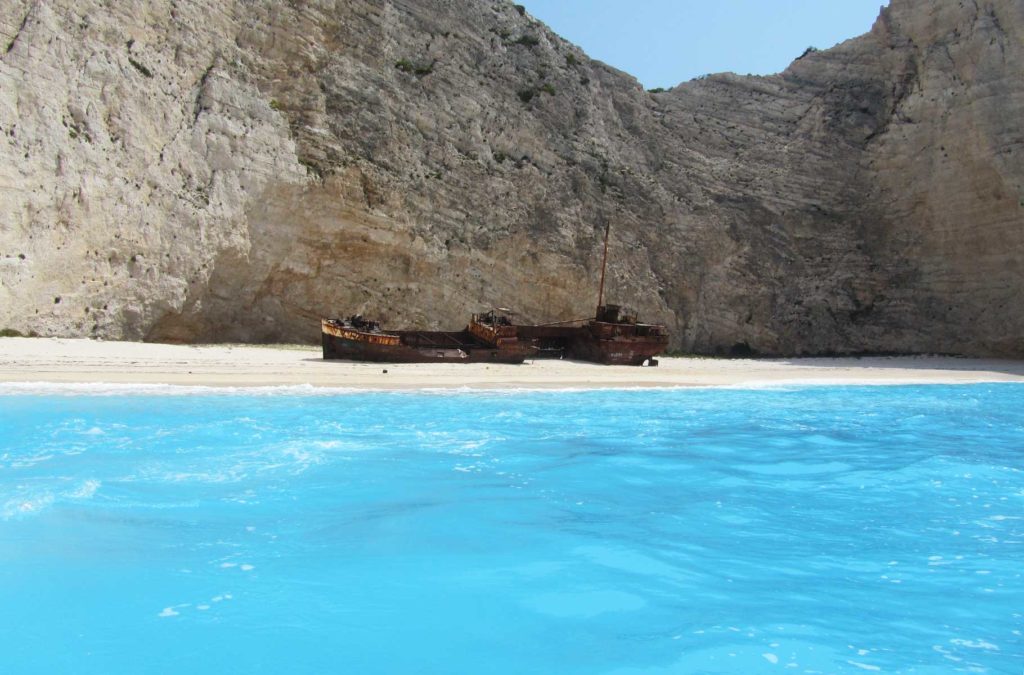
[{"x": 232, "y": 171}]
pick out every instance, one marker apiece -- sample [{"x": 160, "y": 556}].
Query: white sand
[{"x": 91, "y": 361}]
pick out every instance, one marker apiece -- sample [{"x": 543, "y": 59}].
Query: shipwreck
[{"x": 613, "y": 337}]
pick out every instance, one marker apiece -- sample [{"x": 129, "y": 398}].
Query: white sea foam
[
  {"x": 26, "y": 462},
  {"x": 228, "y": 475},
  {"x": 300, "y": 457},
  {"x": 975, "y": 644},
  {"x": 793, "y": 384},
  {"x": 139, "y": 389},
  {"x": 327, "y": 445},
  {"x": 173, "y": 610},
  {"x": 26, "y": 505},
  {"x": 85, "y": 490}
]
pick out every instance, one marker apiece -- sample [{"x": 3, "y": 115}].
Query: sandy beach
[{"x": 56, "y": 360}]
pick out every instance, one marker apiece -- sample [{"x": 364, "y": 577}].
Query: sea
[{"x": 803, "y": 529}]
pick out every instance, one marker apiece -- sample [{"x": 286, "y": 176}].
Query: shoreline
[{"x": 46, "y": 362}]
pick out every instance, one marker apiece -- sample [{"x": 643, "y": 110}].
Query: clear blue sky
[{"x": 665, "y": 42}]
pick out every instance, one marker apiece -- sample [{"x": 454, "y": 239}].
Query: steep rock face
[
  {"x": 948, "y": 173},
  {"x": 183, "y": 171}
]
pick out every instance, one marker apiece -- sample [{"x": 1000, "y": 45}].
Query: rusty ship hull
[
  {"x": 611, "y": 338},
  {"x": 596, "y": 342},
  {"x": 342, "y": 341}
]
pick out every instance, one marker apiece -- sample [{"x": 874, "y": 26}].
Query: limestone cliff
[{"x": 208, "y": 171}]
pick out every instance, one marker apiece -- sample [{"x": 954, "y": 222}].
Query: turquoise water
[{"x": 828, "y": 529}]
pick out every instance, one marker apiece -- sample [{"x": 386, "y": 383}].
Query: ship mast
[{"x": 604, "y": 264}]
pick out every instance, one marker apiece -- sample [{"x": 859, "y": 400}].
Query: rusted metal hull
[
  {"x": 599, "y": 342},
  {"x": 618, "y": 351},
  {"x": 410, "y": 346},
  {"x": 612, "y": 338}
]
